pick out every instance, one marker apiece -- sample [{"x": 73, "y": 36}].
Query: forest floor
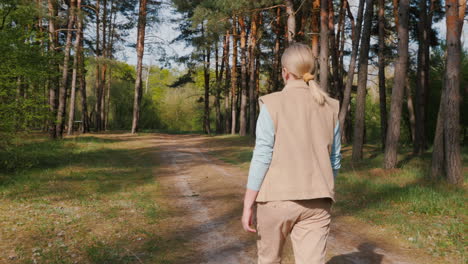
[{"x": 160, "y": 198}]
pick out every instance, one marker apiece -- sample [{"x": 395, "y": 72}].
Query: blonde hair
[{"x": 299, "y": 61}]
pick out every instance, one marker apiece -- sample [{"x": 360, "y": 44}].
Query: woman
[{"x": 294, "y": 164}]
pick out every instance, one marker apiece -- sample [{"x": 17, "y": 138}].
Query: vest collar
[{"x": 296, "y": 84}]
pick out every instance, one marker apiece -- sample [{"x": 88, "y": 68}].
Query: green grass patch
[
  {"x": 430, "y": 214},
  {"x": 84, "y": 199}
]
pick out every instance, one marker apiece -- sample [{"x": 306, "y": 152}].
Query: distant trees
[
  {"x": 327, "y": 26},
  {"x": 70, "y": 59},
  {"x": 237, "y": 58}
]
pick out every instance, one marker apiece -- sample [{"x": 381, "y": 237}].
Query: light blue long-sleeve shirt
[{"x": 263, "y": 152}]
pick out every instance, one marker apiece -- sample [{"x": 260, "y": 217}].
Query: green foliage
[
  {"x": 23, "y": 102},
  {"x": 181, "y": 109},
  {"x": 372, "y": 119}
]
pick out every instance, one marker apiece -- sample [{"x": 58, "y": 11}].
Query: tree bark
[
  {"x": 82, "y": 77},
  {"x": 324, "y": 31},
  {"x": 438, "y": 156},
  {"x": 64, "y": 81},
  {"x": 107, "y": 102},
  {"x": 234, "y": 77},
  {"x": 291, "y": 23},
  {"x": 97, "y": 83},
  {"x": 102, "y": 85},
  {"x": 206, "y": 99},
  {"x": 276, "y": 56},
  {"x": 219, "y": 78},
  {"x": 356, "y": 35},
  {"x": 410, "y": 105},
  {"x": 140, "y": 51},
  {"x": 227, "y": 97},
  {"x": 359, "y": 123},
  {"x": 401, "y": 66},
  {"x": 422, "y": 79},
  {"x": 382, "y": 89},
  {"x": 455, "y": 11},
  {"x": 340, "y": 41},
  {"x": 253, "y": 75},
  {"x": 243, "y": 104},
  {"x": 53, "y": 89},
  {"x": 315, "y": 24},
  {"x": 76, "y": 47},
  {"x": 109, "y": 48},
  {"x": 334, "y": 52}
]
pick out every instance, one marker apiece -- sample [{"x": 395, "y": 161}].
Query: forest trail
[{"x": 207, "y": 195}]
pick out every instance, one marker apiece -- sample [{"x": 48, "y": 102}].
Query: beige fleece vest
[{"x": 300, "y": 167}]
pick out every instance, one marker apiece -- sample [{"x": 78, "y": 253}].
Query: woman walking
[{"x": 294, "y": 164}]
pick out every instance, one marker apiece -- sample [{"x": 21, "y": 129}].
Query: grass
[
  {"x": 87, "y": 199},
  {"x": 431, "y": 215}
]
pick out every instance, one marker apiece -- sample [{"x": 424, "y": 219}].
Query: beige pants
[{"x": 308, "y": 223}]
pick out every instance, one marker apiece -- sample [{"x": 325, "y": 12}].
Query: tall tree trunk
[
  {"x": 107, "y": 102},
  {"x": 356, "y": 35},
  {"x": 359, "y": 123},
  {"x": 273, "y": 81},
  {"x": 64, "y": 82},
  {"x": 253, "y": 75},
  {"x": 206, "y": 99},
  {"x": 324, "y": 31},
  {"x": 340, "y": 41},
  {"x": 234, "y": 77},
  {"x": 315, "y": 25},
  {"x": 243, "y": 105},
  {"x": 401, "y": 66},
  {"x": 410, "y": 105},
  {"x": 227, "y": 96},
  {"x": 110, "y": 46},
  {"x": 219, "y": 78},
  {"x": 76, "y": 47},
  {"x": 382, "y": 89},
  {"x": 82, "y": 78},
  {"x": 53, "y": 82},
  {"x": 334, "y": 51},
  {"x": 419, "y": 143},
  {"x": 291, "y": 23},
  {"x": 140, "y": 51},
  {"x": 102, "y": 85},
  {"x": 439, "y": 162},
  {"x": 97, "y": 84},
  {"x": 455, "y": 11},
  {"x": 438, "y": 155}
]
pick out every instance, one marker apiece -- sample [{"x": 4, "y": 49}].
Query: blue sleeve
[
  {"x": 261, "y": 159},
  {"x": 335, "y": 155}
]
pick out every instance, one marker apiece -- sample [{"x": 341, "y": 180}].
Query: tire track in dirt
[{"x": 213, "y": 241}]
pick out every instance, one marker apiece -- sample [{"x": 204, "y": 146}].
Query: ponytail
[{"x": 318, "y": 94}]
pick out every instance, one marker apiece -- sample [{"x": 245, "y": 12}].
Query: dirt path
[{"x": 207, "y": 195}]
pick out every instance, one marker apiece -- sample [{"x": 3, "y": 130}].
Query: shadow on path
[{"x": 365, "y": 255}]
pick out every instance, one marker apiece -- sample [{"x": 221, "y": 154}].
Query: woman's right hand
[
  {"x": 248, "y": 212},
  {"x": 247, "y": 220}
]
